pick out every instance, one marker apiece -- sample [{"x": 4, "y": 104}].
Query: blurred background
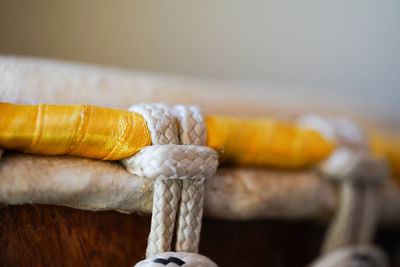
[{"x": 328, "y": 54}]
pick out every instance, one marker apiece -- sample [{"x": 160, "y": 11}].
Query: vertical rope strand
[
  {"x": 360, "y": 176},
  {"x": 342, "y": 226},
  {"x": 163, "y": 130},
  {"x": 165, "y": 205},
  {"x": 190, "y": 215},
  {"x": 192, "y": 131},
  {"x": 370, "y": 210}
]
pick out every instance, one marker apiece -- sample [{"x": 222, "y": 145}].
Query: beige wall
[{"x": 342, "y": 54}]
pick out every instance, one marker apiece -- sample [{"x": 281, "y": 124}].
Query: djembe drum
[{"x": 163, "y": 158}]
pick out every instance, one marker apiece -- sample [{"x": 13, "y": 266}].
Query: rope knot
[
  {"x": 355, "y": 166},
  {"x": 173, "y": 162},
  {"x": 179, "y": 162},
  {"x": 360, "y": 176}
]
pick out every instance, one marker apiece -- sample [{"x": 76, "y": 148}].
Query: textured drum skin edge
[{"x": 232, "y": 194}]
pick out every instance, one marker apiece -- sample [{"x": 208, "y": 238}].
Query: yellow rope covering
[
  {"x": 109, "y": 134},
  {"x": 388, "y": 146},
  {"x": 78, "y": 130},
  {"x": 265, "y": 142}
]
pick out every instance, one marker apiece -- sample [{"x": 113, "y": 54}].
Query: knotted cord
[
  {"x": 168, "y": 164},
  {"x": 360, "y": 177},
  {"x": 163, "y": 131}
]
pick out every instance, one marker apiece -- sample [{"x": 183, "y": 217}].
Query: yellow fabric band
[
  {"x": 109, "y": 134},
  {"x": 387, "y": 145},
  {"x": 265, "y": 142},
  {"x": 78, "y": 130}
]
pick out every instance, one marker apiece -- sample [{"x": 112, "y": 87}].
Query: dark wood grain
[
  {"x": 36, "y": 235},
  {"x": 40, "y": 235}
]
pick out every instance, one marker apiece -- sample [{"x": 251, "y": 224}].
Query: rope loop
[
  {"x": 160, "y": 121},
  {"x": 359, "y": 175},
  {"x": 173, "y": 162},
  {"x": 192, "y": 126},
  {"x": 340, "y": 130},
  {"x": 355, "y": 166}
]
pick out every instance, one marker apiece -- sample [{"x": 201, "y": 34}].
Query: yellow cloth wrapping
[
  {"x": 265, "y": 142},
  {"x": 109, "y": 134},
  {"x": 387, "y": 145},
  {"x": 78, "y": 130}
]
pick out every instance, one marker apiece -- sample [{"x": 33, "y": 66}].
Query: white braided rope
[
  {"x": 168, "y": 163},
  {"x": 190, "y": 215},
  {"x": 161, "y": 123},
  {"x": 343, "y": 229},
  {"x": 192, "y": 131},
  {"x": 341, "y": 130},
  {"x": 165, "y": 203},
  {"x": 177, "y": 162},
  {"x": 359, "y": 175},
  {"x": 163, "y": 130},
  {"x": 192, "y": 126}
]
